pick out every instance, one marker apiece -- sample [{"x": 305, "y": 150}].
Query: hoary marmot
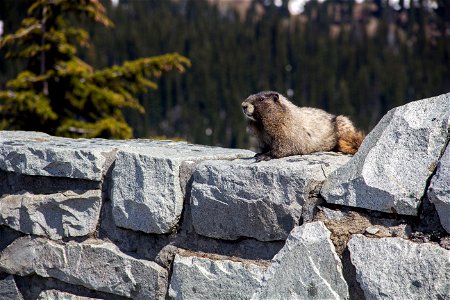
[{"x": 284, "y": 129}]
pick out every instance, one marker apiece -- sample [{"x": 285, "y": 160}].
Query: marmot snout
[{"x": 284, "y": 129}]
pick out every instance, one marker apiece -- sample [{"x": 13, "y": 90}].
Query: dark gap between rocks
[
  {"x": 12, "y": 183},
  {"x": 31, "y": 286},
  {"x": 349, "y": 271},
  {"x": 7, "y": 236}
]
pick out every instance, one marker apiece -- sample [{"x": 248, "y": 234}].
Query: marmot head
[{"x": 256, "y": 106}]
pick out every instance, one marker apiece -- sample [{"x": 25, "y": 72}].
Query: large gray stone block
[
  {"x": 389, "y": 172},
  {"x": 265, "y": 200},
  {"x": 306, "y": 268},
  {"x": 35, "y": 153},
  {"x": 94, "y": 264},
  {"x": 8, "y": 289},
  {"x": 146, "y": 189},
  {"x": 197, "y": 277},
  {"x": 56, "y": 216},
  {"x": 439, "y": 190},
  {"x": 394, "y": 268}
]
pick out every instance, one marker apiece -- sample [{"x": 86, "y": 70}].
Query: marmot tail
[{"x": 348, "y": 137}]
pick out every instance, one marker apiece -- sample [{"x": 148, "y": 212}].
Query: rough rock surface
[
  {"x": 439, "y": 190},
  {"x": 197, "y": 277},
  {"x": 35, "y": 153},
  {"x": 394, "y": 268},
  {"x": 55, "y": 216},
  {"x": 261, "y": 200},
  {"x": 389, "y": 172},
  {"x": 8, "y": 289},
  {"x": 306, "y": 268},
  {"x": 94, "y": 264},
  {"x": 58, "y": 295},
  {"x": 146, "y": 189}
]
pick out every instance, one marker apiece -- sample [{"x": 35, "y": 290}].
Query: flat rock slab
[
  {"x": 307, "y": 267},
  {"x": 265, "y": 200},
  {"x": 36, "y": 153},
  {"x": 439, "y": 190},
  {"x": 389, "y": 172},
  {"x": 394, "y": 268},
  {"x": 56, "y": 216},
  {"x": 94, "y": 264},
  {"x": 203, "y": 278},
  {"x": 8, "y": 289},
  {"x": 146, "y": 189},
  {"x": 58, "y": 295}
]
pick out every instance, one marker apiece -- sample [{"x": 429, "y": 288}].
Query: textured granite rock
[
  {"x": 389, "y": 172},
  {"x": 8, "y": 289},
  {"x": 146, "y": 188},
  {"x": 394, "y": 268},
  {"x": 58, "y": 295},
  {"x": 265, "y": 200},
  {"x": 35, "y": 153},
  {"x": 197, "y": 277},
  {"x": 56, "y": 216},
  {"x": 306, "y": 268},
  {"x": 439, "y": 190},
  {"x": 94, "y": 264}
]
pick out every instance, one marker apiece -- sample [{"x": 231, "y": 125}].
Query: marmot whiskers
[{"x": 284, "y": 129}]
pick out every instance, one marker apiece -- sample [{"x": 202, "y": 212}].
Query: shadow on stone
[
  {"x": 13, "y": 183},
  {"x": 355, "y": 291},
  {"x": 7, "y": 236},
  {"x": 31, "y": 286}
]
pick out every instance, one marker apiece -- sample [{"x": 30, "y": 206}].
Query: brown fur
[
  {"x": 284, "y": 129},
  {"x": 348, "y": 138}
]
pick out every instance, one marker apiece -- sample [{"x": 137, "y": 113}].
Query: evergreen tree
[{"x": 61, "y": 94}]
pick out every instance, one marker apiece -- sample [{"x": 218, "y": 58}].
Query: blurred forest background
[{"x": 355, "y": 58}]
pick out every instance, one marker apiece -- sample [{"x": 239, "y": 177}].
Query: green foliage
[{"x": 61, "y": 94}]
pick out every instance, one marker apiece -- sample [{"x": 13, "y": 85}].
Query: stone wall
[{"x": 142, "y": 219}]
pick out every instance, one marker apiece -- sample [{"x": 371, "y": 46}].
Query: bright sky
[{"x": 296, "y": 6}]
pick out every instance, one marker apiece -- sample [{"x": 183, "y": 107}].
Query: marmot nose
[{"x": 244, "y": 105}]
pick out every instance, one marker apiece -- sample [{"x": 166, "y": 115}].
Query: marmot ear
[{"x": 275, "y": 97}]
